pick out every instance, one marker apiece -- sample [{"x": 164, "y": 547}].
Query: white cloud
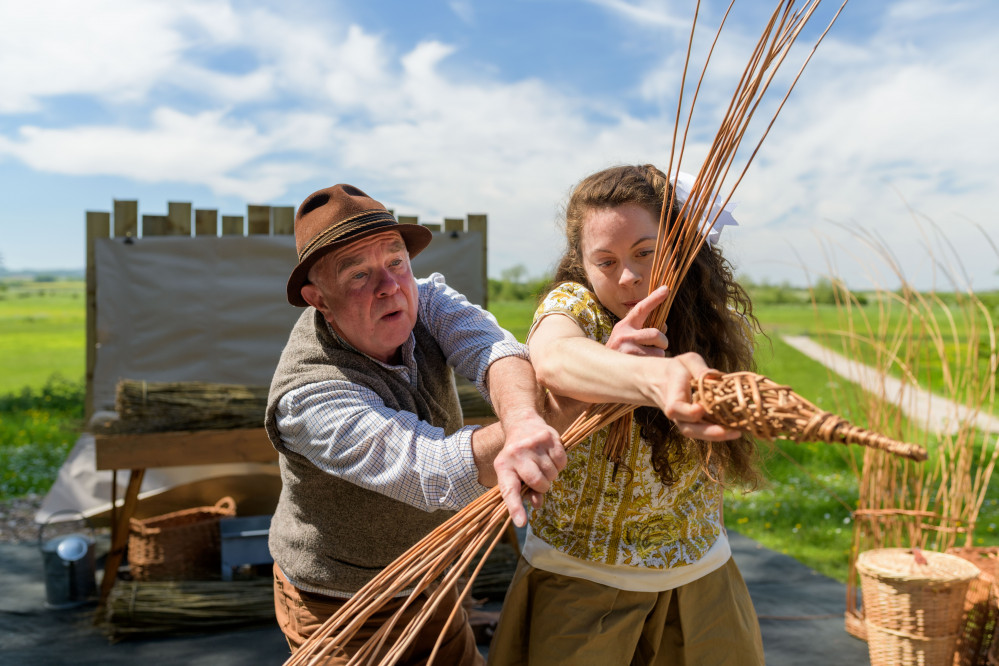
[
  {"x": 201, "y": 148},
  {"x": 111, "y": 48},
  {"x": 922, "y": 10},
  {"x": 647, "y": 13},
  {"x": 888, "y": 139},
  {"x": 358, "y": 75},
  {"x": 463, "y": 9}
]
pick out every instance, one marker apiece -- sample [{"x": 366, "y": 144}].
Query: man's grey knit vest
[{"x": 331, "y": 533}]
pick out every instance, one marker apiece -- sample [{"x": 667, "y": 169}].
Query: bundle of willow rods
[
  {"x": 172, "y": 607},
  {"x": 144, "y": 406},
  {"x": 447, "y": 551},
  {"x": 441, "y": 556},
  {"x": 677, "y": 248},
  {"x": 163, "y": 406}
]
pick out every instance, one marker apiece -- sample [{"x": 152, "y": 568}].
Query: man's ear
[{"x": 314, "y": 297}]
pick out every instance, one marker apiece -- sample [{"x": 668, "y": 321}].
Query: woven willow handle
[{"x": 756, "y": 404}]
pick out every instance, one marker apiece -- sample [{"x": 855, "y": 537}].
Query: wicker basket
[
  {"x": 183, "y": 545},
  {"x": 913, "y": 609},
  {"x": 981, "y": 608},
  {"x": 993, "y": 659},
  {"x": 855, "y": 626}
]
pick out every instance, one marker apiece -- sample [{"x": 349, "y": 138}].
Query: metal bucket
[{"x": 70, "y": 566}]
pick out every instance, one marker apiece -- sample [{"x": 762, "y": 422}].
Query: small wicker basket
[
  {"x": 183, "y": 545},
  {"x": 913, "y": 604}
]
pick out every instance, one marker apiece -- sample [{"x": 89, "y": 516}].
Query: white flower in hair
[{"x": 683, "y": 183}]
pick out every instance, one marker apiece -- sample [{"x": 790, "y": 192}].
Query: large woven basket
[
  {"x": 981, "y": 608},
  {"x": 183, "y": 545},
  {"x": 913, "y": 604}
]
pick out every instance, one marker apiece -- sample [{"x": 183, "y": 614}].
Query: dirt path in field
[{"x": 937, "y": 414}]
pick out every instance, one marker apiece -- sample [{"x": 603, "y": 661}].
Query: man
[{"x": 365, "y": 416}]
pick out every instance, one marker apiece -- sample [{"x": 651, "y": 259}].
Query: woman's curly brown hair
[{"x": 711, "y": 315}]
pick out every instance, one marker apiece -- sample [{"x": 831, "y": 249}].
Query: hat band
[{"x": 371, "y": 219}]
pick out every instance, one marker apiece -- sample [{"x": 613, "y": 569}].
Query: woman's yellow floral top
[{"x": 633, "y": 519}]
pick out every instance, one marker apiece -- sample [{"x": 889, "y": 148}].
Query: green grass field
[
  {"x": 42, "y": 329},
  {"x": 42, "y": 332},
  {"x": 802, "y": 510}
]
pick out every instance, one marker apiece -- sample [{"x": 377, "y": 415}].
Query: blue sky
[{"x": 445, "y": 108}]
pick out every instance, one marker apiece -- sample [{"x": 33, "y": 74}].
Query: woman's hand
[
  {"x": 630, "y": 335},
  {"x": 674, "y": 393}
]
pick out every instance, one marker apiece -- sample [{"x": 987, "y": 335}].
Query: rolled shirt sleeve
[{"x": 470, "y": 336}]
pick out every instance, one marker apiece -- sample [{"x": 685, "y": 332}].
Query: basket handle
[
  {"x": 227, "y": 503},
  {"x": 52, "y": 515}
]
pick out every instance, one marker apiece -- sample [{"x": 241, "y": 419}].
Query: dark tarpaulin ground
[{"x": 801, "y": 615}]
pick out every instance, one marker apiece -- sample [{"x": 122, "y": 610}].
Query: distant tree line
[
  {"x": 514, "y": 284},
  {"x": 825, "y": 291}
]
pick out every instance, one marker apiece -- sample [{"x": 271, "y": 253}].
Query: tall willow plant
[{"x": 936, "y": 363}]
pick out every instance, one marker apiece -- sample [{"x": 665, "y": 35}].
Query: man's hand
[
  {"x": 630, "y": 335},
  {"x": 533, "y": 454}
]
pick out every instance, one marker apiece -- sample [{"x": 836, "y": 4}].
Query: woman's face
[{"x": 618, "y": 245}]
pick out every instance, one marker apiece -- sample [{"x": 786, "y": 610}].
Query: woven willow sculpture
[{"x": 767, "y": 410}]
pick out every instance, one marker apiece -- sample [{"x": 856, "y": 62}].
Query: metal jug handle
[{"x": 41, "y": 528}]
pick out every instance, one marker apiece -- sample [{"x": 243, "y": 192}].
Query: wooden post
[
  {"x": 478, "y": 222},
  {"x": 284, "y": 220},
  {"x": 126, "y": 218},
  {"x": 408, "y": 219},
  {"x": 98, "y": 226},
  {"x": 178, "y": 218},
  {"x": 454, "y": 224},
  {"x": 154, "y": 225},
  {"x": 119, "y": 540},
  {"x": 232, "y": 225},
  {"x": 433, "y": 226},
  {"x": 258, "y": 220},
  {"x": 206, "y": 222}
]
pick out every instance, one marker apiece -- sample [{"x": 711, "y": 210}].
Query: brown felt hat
[{"x": 337, "y": 216}]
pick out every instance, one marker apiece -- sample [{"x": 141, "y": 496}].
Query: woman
[{"x": 632, "y": 565}]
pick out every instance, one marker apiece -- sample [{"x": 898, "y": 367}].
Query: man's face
[{"x": 367, "y": 292}]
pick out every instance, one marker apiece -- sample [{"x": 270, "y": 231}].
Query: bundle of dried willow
[
  {"x": 432, "y": 565},
  {"x": 447, "y": 551},
  {"x": 167, "y": 406},
  {"x": 170, "y": 607},
  {"x": 678, "y": 247},
  {"x": 162, "y": 406}
]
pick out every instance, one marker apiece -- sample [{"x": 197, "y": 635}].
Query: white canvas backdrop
[
  {"x": 209, "y": 309},
  {"x": 214, "y": 309}
]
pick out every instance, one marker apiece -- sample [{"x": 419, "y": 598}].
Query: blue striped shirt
[{"x": 346, "y": 430}]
